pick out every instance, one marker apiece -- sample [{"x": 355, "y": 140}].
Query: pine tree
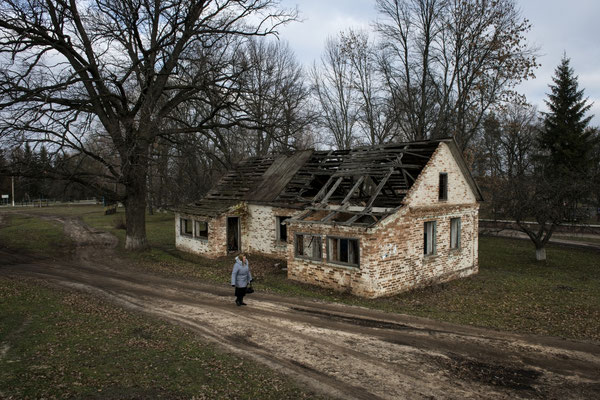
[{"x": 565, "y": 140}]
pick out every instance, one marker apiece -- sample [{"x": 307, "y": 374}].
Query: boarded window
[
  {"x": 186, "y": 227},
  {"x": 201, "y": 230},
  {"x": 455, "y": 233},
  {"x": 443, "y": 195},
  {"x": 343, "y": 251},
  {"x": 429, "y": 238},
  {"x": 281, "y": 229},
  {"x": 308, "y": 246}
]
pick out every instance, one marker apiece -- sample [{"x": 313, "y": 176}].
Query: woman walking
[{"x": 240, "y": 278}]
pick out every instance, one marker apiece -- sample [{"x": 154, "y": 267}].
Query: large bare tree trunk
[{"x": 135, "y": 206}]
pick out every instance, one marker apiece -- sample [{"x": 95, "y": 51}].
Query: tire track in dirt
[{"x": 342, "y": 351}]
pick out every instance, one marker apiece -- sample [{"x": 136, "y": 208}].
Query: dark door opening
[{"x": 233, "y": 234}]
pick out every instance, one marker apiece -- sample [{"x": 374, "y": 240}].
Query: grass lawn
[
  {"x": 33, "y": 235},
  {"x": 64, "y": 344}
]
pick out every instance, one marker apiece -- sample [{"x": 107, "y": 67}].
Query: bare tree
[
  {"x": 376, "y": 118},
  {"x": 333, "y": 85},
  {"x": 447, "y": 62},
  {"x": 275, "y": 99},
  {"x": 125, "y": 66}
]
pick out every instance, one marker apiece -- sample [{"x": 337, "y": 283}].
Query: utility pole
[{"x": 13, "y": 190}]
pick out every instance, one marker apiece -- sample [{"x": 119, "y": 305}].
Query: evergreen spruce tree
[{"x": 565, "y": 140}]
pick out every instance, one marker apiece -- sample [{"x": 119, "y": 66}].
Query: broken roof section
[
  {"x": 257, "y": 179},
  {"x": 357, "y": 187}
]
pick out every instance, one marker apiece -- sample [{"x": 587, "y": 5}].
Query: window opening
[
  {"x": 309, "y": 246},
  {"x": 343, "y": 250},
  {"x": 186, "y": 227},
  {"x": 429, "y": 238},
  {"x": 281, "y": 229},
  {"x": 455, "y": 233},
  {"x": 443, "y": 194},
  {"x": 201, "y": 229}
]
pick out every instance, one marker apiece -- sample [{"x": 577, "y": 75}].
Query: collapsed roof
[{"x": 357, "y": 187}]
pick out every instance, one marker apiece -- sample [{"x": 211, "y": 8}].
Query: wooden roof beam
[
  {"x": 351, "y": 192},
  {"x": 354, "y": 218},
  {"x": 323, "y": 190},
  {"x": 328, "y": 216},
  {"x": 332, "y": 190},
  {"x": 378, "y": 190}
]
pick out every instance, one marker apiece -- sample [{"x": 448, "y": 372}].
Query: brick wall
[
  {"x": 425, "y": 190},
  {"x": 392, "y": 256},
  {"x": 395, "y": 253},
  {"x": 326, "y": 274},
  {"x": 260, "y": 234},
  {"x": 214, "y": 247}
]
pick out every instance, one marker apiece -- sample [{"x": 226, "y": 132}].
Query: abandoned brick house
[{"x": 373, "y": 221}]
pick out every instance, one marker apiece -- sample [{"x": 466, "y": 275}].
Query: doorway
[{"x": 233, "y": 234}]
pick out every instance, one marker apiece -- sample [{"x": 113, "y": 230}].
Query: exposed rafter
[{"x": 355, "y": 187}]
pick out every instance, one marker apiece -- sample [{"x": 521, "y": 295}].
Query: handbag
[{"x": 249, "y": 289}]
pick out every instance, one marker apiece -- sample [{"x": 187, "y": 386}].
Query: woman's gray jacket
[{"x": 240, "y": 277}]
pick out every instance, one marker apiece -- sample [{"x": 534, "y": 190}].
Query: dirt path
[{"x": 346, "y": 352}]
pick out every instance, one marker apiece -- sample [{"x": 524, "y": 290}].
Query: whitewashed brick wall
[
  {"x": 261, "y": 232},
  {"x": 258, "y": 230},
  {"x": 214, "y": 247}
]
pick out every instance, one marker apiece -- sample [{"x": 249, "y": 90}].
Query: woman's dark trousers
[{"x": 240, "y": 292}]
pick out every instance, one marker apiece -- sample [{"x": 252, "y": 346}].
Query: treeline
[
  {"x": 271, "y": 112},
  {"x": 33, "y": 177}
]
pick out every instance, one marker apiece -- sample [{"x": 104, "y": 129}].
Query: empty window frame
[
  {"x": 201, "y": 230},
  {"x": 281, "y": 229},
  {"x": 429, "y": 242},
  {"x": 455, "y": 233},
  {"x": 308, "y": 246},
  {"x": 443, "y": 188},
  {"x": 186, "y": 227},
  {"x": 343, "y": 251}
]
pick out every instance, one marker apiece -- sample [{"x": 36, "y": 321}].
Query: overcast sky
[{"x": 571, "y": 26}]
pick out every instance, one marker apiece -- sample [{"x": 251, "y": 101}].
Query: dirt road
[{"x": 342, "y": 351}]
